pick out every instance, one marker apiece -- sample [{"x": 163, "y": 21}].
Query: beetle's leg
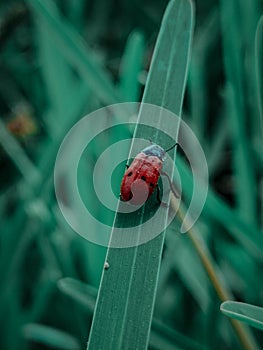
[
  {"x": 171, "y": 185},
  {"x": 163, "y": 204},
  {"x": 158, "y": 194}
]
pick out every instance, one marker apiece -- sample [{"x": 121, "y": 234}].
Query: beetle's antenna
[
  {"x": 169, "y": 149},
  {"x": 173, "y": 189}
]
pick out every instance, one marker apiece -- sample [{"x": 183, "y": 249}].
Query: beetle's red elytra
[{"x": 141, "y": 177}]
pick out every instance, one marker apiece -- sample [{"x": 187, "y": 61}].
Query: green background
[{"x": 60, "y": 60}]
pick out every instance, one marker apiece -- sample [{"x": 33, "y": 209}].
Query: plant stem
[{"x": 242, "y": 332}]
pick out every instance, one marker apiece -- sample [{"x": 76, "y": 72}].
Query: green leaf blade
[
  {"x": 83, "y": 294},
  {"x": 75, "y": 50},
  {"x": 250, "y": 314},
  {"x": 177, "y": 40},
  {"x": 127, "y": 291},
  {"x": 50, "y": 337},
  {"x": 131, "y": 65}
]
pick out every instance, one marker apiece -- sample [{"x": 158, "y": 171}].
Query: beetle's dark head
[{"x": 155, "y": 150}]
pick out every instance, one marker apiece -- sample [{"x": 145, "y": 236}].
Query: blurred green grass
[{"x": 60, "y": 60}]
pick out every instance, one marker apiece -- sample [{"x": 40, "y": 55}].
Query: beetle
[{"x": 141, "y": 177}]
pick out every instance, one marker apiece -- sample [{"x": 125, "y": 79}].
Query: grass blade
[
  {"x": 127, "y": 290},
  {"x": 247, "y": 235},
  {"x": 217, "y": 279},
  {"x": 131, "y": 66},
  {"x": 259, "y": 71},
  {"x": 83, "y": 293},
  {"x": 243, "y": 169},
  {"x": 250, "y": 314},
  {"x": 50, "y": 337},
  {"x": 75, "y": 50},
  {"x": 18, "y": 156},
  {"x": 162, "y": 337}
]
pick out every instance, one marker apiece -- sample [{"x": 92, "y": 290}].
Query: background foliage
[{"x": 60, "y": 60}]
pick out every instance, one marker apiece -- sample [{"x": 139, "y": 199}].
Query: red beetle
[{"x": 141, "y": 177}]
